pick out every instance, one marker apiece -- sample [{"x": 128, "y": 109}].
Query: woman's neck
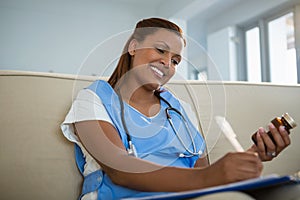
[
  {"x": 141, "y": 98},
  {"x": 137, "y": 95}
]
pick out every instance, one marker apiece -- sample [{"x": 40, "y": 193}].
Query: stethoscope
[{"x": 131, "y": 150}]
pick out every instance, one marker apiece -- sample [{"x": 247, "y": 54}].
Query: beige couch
[{"x": 37, "y": 162}]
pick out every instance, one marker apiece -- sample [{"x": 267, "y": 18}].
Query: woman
[{"x": 126, "y": 146}]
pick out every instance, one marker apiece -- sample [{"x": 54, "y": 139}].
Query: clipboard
[{"x": 271, "y": 180}]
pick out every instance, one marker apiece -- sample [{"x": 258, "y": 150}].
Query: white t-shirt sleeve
[{"x": 86, "y": 106}]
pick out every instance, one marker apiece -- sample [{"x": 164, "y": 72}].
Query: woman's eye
[
  {"x": 160, "y": 50},
  {"x": 175, "y": 62}
]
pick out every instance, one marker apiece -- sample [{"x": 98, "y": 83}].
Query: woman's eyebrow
[{"x": 165, "y": 44}]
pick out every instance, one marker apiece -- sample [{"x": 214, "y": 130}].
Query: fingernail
[
  {"x": 271, "y": 126},
  {"x": 258, "y": 134},
  {"x": 281, "y": 128}
]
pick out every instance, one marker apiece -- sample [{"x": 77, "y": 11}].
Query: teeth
[{"x": 157, "y": 71}]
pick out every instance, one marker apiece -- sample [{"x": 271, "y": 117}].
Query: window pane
[
  {"x": 253, "y": 55},
  {"x": 283, "y": 66}
]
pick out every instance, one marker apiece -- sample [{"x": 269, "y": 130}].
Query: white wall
[
  {"x": 54, "y": 35},
  {"x": 197, "y": 46},
  {"x": 246, "y": 11},
  {"x": 221, "y": 49},
  {"x": 86, "y": 37},
  {"x": 297, "y": 38}
]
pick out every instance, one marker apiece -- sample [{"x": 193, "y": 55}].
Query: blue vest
[{"x": 153, "y": 137}]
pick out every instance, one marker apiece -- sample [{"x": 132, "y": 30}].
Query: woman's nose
[{"x": 166, "y": 61}]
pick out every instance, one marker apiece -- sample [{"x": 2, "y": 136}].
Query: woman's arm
[
  {"x": 202, "y": 162},
  {"x": 103, "y": 142}
]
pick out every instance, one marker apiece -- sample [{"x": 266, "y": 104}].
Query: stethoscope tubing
[
  {"x": 131, "y": 148},
  {"x": 188, "y": 130}
]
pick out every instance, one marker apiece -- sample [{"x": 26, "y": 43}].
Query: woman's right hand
[{"x": 234, "y": 167}]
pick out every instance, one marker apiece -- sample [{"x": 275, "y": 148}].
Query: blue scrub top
[{"x": 153, "y": 138}]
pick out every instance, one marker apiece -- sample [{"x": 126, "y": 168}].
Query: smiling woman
[
  {"x": 145, "y": 28},
  {"x": 134, "y": 138},
  {"x": 155, "y": 57}
]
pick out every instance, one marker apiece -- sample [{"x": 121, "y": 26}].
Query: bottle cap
[{"x": 289, "y": 120}]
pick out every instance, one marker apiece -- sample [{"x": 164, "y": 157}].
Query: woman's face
[{"x": 155, "y": 59}]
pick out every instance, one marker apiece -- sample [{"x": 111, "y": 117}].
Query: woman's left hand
[{"x": 266, "y": 148}]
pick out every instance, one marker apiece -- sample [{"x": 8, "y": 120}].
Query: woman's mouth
[{"x": 157, "y": 72}]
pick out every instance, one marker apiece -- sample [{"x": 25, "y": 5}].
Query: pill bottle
[{"x": 285, "y": 120}]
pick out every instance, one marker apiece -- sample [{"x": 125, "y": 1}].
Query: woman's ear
[{"x": 132, "y": 47}]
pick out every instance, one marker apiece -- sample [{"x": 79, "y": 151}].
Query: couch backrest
[
  {"x": 246, "y": 106},
  {"x": 37, "y": 162}
]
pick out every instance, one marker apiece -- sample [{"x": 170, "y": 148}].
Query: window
[
  {"x": 282, "y": 52},
  {"x": 270, "y": 52},
  {"x": 253, "y": 55}
]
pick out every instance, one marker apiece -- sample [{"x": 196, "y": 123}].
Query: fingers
[
  {"x": 251, "y": 163},
  {"x": 261, "y": 147},
  {"x": 270, "y": 145},
  {"x": 276, "y": 136},
  {"x": 281, "y": 137},
  {"x": 285, "y": 135},
  {"x": 241, "y": 165}
]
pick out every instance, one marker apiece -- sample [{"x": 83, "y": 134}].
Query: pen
[{"x": 229, "y": 133}]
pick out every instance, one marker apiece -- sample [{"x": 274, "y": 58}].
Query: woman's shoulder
[
  {"x": 103, "y": 90},
  {"x": 99, "y": 84}
]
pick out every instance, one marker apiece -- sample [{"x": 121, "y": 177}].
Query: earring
[{"x": 132, "y": 53}]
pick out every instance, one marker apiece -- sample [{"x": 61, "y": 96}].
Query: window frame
[{"x": 262, "y": 23}]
